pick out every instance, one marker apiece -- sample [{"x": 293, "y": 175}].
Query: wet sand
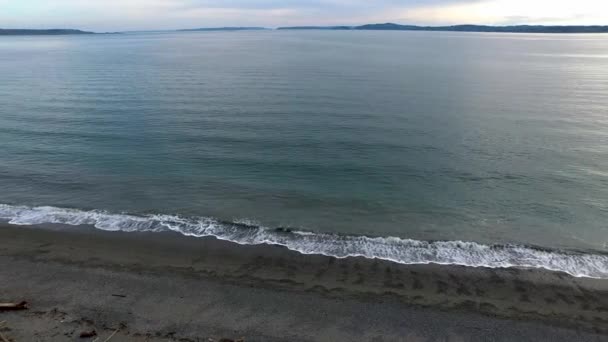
[{"x": 164, "y": 286}]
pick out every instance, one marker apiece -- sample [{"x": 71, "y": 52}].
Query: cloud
[
  {"x": 507, "y": 12},
  {"x": 110, "y": 15}
]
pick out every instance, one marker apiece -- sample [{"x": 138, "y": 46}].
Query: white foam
[{"x": 405, "y": 251}]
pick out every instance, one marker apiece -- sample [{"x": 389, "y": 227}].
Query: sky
[{"x": 120, "y": 15}]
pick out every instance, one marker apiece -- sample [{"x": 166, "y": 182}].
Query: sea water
[{"x": 418, "y": 147}]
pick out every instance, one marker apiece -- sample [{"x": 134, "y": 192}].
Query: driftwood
[{"x": 13, "y": 306}]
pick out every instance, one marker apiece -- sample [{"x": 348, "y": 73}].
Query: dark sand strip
[{"x": 165, "y": 286}]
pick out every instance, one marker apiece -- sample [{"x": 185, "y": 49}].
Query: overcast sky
[{"x": 114, "y": 15}]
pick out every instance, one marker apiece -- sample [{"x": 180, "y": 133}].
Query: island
[
  {"x": 462, "y": 28},
  {"x": 50, "y": 32},
  {"x": 316, "y": 28},
  {"x": 225, "y": 29}
]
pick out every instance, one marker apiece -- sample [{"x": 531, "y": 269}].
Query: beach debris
[
  {"x": 109, "y": 337},
  {"x": 3, "y": 338},
  {"x": 119, "y": 295},
  {"x": 87, "y": 334},
  {"x": 13, "y": 306}
]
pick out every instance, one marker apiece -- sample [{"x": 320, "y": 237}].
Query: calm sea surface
[{"x": 488, "y": 138}]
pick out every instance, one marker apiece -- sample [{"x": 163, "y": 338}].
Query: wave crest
[{"x": 404, "y": 251}]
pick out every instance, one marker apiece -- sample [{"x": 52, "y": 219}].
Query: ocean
[{"x": 473, "y": 149}]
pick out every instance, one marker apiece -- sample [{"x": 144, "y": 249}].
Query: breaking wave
[{"x": 404, "y": 251}]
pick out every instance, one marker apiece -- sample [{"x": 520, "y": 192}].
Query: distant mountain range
[
  {"x": 24, "y": 32},
  {"x": 462, "y": 28},
  {"x": 226, "y": 29}
]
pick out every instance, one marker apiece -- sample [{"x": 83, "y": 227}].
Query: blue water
[{"x": 496, "y": 139}]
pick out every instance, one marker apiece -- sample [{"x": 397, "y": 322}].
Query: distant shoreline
[
  {"x": 225, "y": 29},
  {"x": 574, "y": 29},
  {"x": 50, "y": 32},
  {"x": 461, "y": 28}
]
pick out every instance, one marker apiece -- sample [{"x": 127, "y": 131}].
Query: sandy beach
[{"x": 167, "y": 287}]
